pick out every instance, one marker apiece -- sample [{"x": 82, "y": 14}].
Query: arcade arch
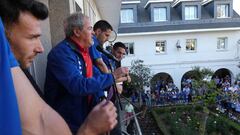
[{"x": 161, "y": 78}]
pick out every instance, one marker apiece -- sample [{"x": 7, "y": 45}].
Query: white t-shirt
[{"x": 129, "y": 108}]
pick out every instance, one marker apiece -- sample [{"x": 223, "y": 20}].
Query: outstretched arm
[
  {"x": 101, "y": 65},
  {"x": 37, "y": 118}
]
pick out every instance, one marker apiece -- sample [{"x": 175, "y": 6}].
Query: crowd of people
[
  {"x": 167, "y": 93},
  {"x": 77, "y": 75},
  {"x": 228, "y": 101}
]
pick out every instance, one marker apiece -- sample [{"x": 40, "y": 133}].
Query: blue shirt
[
  {"x": 9, "y": 114},
  {"x": 111, "y": 64},
  {"x": 95, "y": 54}
]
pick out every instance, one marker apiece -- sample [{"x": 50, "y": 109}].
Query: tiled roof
[{"x": 207, "y": 21}]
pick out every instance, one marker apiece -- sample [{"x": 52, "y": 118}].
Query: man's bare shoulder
[{"x": 36, "y": 116}]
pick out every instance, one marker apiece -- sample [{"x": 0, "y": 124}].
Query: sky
[{"x": 236, "y": 6}]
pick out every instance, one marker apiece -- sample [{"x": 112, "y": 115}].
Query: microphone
[{"x": 110, "y": 56}]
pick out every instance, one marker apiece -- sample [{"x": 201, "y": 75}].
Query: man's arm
[
  {"x": 101, "y": 65},
  {"x": 119, "y": 88},
  {"x": 36, "y": 116},
  {"x": 64, "y": 67},
  {"x": 120, "y": 73},
  {"x": 100, "y": 120},
  {"x": 120, "y": 84},
  {"x": 39, "y": 119}
]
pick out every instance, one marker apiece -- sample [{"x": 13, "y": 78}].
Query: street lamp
[{"x": 178, "y": 45}]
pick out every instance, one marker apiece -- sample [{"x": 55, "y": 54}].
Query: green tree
[
  {"x": 141, "y": 72},
  {"x": 140, "y": 76},
  {"x": 199, "y": 74},
  {"x": 205, "y": 88}
]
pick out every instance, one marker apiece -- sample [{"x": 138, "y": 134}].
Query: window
[
  {"x": 223, "y": 11},
  {"x": 160, "y": 47},
  {"x": 160, "y": 14},
  {"x": 191, "y": 45},
  {"x": 222, "y": 43},
  {"x": 78, "y": 8},
  {"x": 191, "y": 12},
  {"x": 127, "y": 15},
  {"x": 89, "y": 11},
  {"x": 130, "y": 48}
]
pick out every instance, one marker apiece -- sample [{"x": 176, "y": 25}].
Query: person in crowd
[
  {"x": 148, "y": 98},
  {"x": 186, "y": 91},
  {"x": 23, "y": 32},
  {"x": 118, "y": 51},
  {"x": 35, "y": 115},
  {"x": 129, "y": 112},
  {"x": 237, "y": 108},
  {"x": 72, "y": 84},
  {"x": 133, "y": 97},
  {"x": 102, "y": 30}
]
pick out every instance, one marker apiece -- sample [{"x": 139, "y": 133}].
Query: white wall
[
  {"x": 144, "y": 47},
  {"x": 178, "y": 62},
  {"x": 236, "y": 6}
]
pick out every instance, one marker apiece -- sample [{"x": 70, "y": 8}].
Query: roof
[{"x": 144, "y": 23}]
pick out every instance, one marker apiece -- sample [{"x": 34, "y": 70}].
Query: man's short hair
[
  {"x": 119, "y": 44},
  {"x": 102, "y": 25},
  {"x": 73, "y": 21},
  {"x": 10, "y": 10}
]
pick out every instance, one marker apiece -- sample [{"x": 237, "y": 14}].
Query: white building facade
[{"x": 175, "y": 36}]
